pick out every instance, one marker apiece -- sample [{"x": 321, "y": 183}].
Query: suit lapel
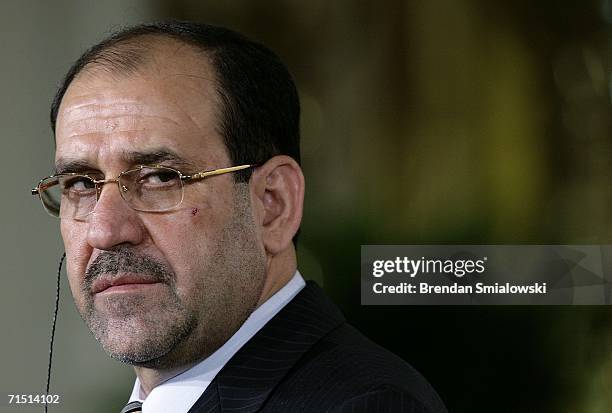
[
  {"x": 247, "y": 380},
  {"x": 208, "y": 401}
]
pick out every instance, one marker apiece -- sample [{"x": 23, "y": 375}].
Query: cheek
[
  {"x": 186, "y": 237},
  {"x": 78, "y": 252}
]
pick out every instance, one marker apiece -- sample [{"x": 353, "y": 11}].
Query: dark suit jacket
[{"x": 308, "y": 359}]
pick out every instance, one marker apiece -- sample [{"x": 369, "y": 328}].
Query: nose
[{"x": 113, "y": 222}]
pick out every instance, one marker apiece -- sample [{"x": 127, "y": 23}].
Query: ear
[{"x": 277, "y": 187}]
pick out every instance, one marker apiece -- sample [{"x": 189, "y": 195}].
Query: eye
[
  {"x": 78, "y": 184},
  {"x": 159, "y": 178}
]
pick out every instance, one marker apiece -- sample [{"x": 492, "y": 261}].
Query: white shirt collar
[{"x": 178, "y": 394}]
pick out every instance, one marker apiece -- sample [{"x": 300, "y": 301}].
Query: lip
[{"x": 122, "y": 283}]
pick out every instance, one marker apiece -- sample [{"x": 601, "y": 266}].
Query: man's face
[{"x": 194, "y": 273}]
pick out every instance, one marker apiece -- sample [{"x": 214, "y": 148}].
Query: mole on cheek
[{"x": 194, "y": 212}]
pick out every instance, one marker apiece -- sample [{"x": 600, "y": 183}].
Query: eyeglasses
[{"x": 145, "y": 188}]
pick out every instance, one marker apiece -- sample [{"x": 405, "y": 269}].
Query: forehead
[{"x": 170, "y": 102}]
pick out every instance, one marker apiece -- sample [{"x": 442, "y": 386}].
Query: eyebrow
[{"x": 150, "y": 157}]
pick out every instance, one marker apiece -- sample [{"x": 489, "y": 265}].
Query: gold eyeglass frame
[{"x": 99, "y": 183}]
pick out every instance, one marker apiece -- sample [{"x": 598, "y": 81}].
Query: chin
[
  {"x": 139, "y": 343},
  {"x": 136, "y": 351}
]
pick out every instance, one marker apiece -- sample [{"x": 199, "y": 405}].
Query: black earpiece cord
[{"x": 57, "y": 296}]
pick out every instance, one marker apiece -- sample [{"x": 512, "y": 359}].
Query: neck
[{"x": 281, "y": 268}]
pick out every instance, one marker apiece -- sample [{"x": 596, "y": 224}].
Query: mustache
[{"x": 124, "y": 259}]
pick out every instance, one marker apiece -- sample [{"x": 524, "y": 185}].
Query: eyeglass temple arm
[
  {"x": 36, "y": 191},
  {"x": 221, "y": 171}
]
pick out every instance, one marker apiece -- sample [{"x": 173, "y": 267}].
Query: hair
[
  {"x": 259, "y": 103},
  {"x": 260, "y": 110}
]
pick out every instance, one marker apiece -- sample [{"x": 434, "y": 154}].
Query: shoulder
[
  {"x": 385, "y": 399},
  {"x": 345, "y": 371}
]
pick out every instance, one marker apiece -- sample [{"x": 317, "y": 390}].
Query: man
[{"x": 180, "y": 195}]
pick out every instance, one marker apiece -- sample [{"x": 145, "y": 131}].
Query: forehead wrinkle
[
  {"x": 86, "y": 100},
  {"x": 112, "y": 124},
  {"x": 127, "y": 133},
  {"x": 97, "y": 107}
]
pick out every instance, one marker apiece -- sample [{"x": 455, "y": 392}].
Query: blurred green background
[{"x": 456, "y": 121}]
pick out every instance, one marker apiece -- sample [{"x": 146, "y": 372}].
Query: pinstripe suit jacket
[{"x": 308, "y": 359}]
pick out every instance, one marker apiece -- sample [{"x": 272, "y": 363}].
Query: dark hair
[{"x": 260, "y": 107}]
